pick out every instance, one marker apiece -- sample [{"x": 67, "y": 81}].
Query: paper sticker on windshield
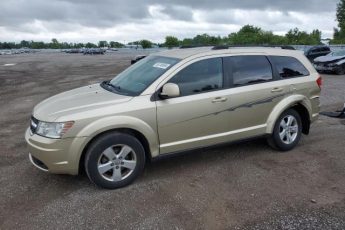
[{"x": 161, "y": 65}]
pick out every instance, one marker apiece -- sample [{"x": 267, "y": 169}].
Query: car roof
[{"x": 209, "y": 50}]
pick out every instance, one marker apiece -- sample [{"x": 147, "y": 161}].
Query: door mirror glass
[{"x": 170, "y": 90}]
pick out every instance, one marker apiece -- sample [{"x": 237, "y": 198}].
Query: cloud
[{"x": 89, "y": 20}]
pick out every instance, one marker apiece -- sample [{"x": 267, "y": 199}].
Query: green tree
[
  {"x": 38, "y": 45},
  {"x": 187, "y": 42},
  {"x": 24, "y": 43},
  {"x": 250, "y": 35},
  {"x": 115, "y": 44},
  {"x": 339, "y": 33},
  {"x": 340, "y": 14},
  {"x": 171, "y": 41},
  {"x": 145, "y": 44},
  {"x": 102, "y": 44},
  {"x": 54, "y": 44},
  {"x": 297, "y": 37},
  {"x": 90, "y": 45}
]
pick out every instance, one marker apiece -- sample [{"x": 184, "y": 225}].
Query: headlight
[{"x": 53, "y": 129}]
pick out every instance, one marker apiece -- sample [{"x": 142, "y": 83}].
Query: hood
[
  {"x": 328, "y": 58},
  {"x": 76, "y": 101}
]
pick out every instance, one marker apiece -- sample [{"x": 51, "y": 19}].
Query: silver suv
[{"x": 173, "y": 101}]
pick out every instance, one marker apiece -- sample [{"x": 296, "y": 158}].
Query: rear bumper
[{"x": 55, "y": 155}]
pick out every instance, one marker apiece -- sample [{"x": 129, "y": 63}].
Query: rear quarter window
[
  {"x": 249, "y": 69},
  {"x": 289, "y": 67}
]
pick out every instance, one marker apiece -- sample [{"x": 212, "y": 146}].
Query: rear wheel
[
  {"x": 287, "y": 131},
  {"x": 114, "y": 160}
]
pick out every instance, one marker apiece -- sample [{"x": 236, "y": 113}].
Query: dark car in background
[
  {"x": 93, "y": 51},
  {"x": 316, "y": 51},
  {"x": 333, "y": 62}
]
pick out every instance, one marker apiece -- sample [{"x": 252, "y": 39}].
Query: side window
[
  {"x": 288, "y": 67},
  {"x": 249, "y": 69},
  {"x": 201, "y": 76}
]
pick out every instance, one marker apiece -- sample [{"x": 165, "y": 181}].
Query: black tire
[
  {"x": 340, "y": 70},
  {"x": 95, "y": 153},
  {"x": 275, "y": 141}
]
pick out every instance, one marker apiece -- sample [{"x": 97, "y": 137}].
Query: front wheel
[
  {"x": 114, "y": 160},
  {"x": 287, "y": 131}
]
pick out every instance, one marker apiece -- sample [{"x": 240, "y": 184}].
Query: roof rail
[
  {"x": 286, "y": 47},
  {"x": 221, "y": 47},
  {"x": 193, "y": 46}
]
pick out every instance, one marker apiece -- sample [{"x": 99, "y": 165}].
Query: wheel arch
[
  {"x": 298, "y": 102},
  {"x": 129, "y": 131},
  {"x": 133, "y": 126}
]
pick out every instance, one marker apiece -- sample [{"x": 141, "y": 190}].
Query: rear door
[{"x": 255, "y": 90}]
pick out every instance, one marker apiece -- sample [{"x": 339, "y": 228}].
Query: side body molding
[
  {"x": 284, "y": 104},
  {"x": 118, "y": 122}
]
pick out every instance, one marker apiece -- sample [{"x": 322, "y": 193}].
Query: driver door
[{"x": 192, "y": 120}]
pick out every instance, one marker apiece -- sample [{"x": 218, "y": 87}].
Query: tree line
[
  {"x": 339, "y": 33},
  {"x": 247, "y": 35},
  {"x": 250, "y": 35},
  {"x": 55, "y": 44}
]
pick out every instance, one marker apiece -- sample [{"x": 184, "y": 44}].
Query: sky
[{"x": 131, "y": 20}]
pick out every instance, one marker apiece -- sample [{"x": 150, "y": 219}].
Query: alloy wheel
[
  {"x": 288, "y": 129},
  {"x": 117, "y": 162}
]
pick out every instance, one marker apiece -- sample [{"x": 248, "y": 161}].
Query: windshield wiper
[{"x": 115, "y": 88}]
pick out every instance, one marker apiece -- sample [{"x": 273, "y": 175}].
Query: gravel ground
[{"x": 235, "y": 186}]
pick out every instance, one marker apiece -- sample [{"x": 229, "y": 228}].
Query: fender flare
[
  {"x": 120, "y": 122},
  {"x": 285, "y": 104}
]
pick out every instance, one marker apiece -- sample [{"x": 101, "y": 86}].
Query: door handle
[
  {"x": 219, "y": 99},
  {"x": 274, "y": 90}
]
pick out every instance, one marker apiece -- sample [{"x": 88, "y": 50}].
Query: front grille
[{"x": 33, "y": 124}]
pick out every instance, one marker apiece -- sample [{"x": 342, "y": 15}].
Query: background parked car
[
  {"x": 93, "y": 51},
  {"x": 333, "y": 62},
  {"x": 316, "y": 51},
  {"x": 73, "y": 51}
]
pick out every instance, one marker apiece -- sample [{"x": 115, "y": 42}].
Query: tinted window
[
  {"x": 201, "y": 76},
  {"x": 289, "y": 67},
  {"x": 250, "y": 69}
]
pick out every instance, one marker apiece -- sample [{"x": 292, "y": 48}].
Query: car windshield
[
  {"x": 135, "y": 79},
  {"x": 338, "y": 53}
]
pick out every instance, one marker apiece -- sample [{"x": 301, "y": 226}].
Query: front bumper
[
  {"x": 55, "y": 155},
  {"x": 326, "y": 68}
]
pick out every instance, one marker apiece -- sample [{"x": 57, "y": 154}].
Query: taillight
[{"x": 319, "y": 82}]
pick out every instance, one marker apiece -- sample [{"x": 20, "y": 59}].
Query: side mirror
[{"x": 170, "y": 90}]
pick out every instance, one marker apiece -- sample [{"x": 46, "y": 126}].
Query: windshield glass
[
  {"x": 135, "y": 79},
  {"x": 338, "y": 53}
]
